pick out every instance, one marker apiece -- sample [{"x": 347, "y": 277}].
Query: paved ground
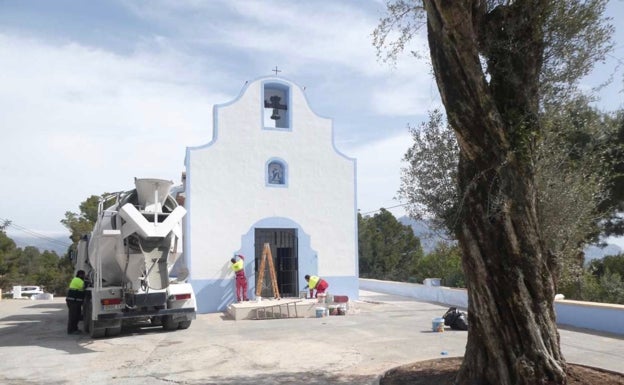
[{"x": 381, "y": 332}]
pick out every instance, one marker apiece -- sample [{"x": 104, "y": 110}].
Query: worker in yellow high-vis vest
[
  {"x": 316, "y": 283},
  {"x": 238, "y": 266},
  {"x": 74, "y": 299}
]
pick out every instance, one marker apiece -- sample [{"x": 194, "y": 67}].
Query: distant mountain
[
  {"x": 58, "y": 244},
  {"x": 428, "y": 238}
]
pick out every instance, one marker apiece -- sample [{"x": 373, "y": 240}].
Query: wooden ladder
[{"x": 266, "y": 255}]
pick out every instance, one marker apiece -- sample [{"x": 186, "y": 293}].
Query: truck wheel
[
  {"x": 97, "y": 333},
  {"x": 184, "y": 324},
  {"x": 89, "y": 324},
  {"x": 86, "y": 316},
  {"x": 113, "y": 332},
  {"x": 168, "y": 323}
]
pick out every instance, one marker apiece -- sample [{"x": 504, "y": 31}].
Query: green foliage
[
  {"x": 577, "y": 35},
  {"x": 612, "y": 288},
  {"x": 387, "y": 249},
  {"x": 58, "y": 277},
  {"x": 610, "y": 263},
  {"x": 8, "y": 260},
  {"x": 489, "y": 60},
  {"x": 572, "y": 177},
  {"x": 602, "y": 281},
  {"x": 443, "y": 262},
  {"x": 429, "y": 182},
  {"x": 29, "y": 266},
  {"x": 404, "y": 16},
  {"x": 586, "y": 288},
  {"x": 614, "y": 224},
  {"x": 81, "y": 224}
]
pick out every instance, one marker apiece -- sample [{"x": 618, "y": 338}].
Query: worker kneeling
[{"x": 316, "y": 283}]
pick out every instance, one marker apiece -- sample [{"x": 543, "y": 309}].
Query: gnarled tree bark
[{"x": 512, "y": 338}]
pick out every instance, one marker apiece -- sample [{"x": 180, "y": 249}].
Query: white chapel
[{"x": 270, "y": 174}]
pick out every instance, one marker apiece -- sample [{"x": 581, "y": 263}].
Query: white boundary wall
[
  {"x": 588, "y": 315},
  {"x": 440, "y": 294}
]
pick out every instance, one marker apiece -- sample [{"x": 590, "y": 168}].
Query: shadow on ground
[
  {"x": 47, "y": 328},
  {"x": 590, "y": 331},
  {"x": 314, "y": 378}
]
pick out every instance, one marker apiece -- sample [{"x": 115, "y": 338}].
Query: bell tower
[{"x": 276, "y": 103}]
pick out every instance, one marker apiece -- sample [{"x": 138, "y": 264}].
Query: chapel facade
[{"x": 271, "y": 174}]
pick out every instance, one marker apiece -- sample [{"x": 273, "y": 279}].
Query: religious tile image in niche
[
  {"x": 276, "y": 107},
  {"x": 276, "y": 173}
]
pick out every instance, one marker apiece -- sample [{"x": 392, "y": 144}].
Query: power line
[
  {"x": 384, "y": 208},
  {"x": 35, "y": 234},
  {"x": 620, "y": 61}
]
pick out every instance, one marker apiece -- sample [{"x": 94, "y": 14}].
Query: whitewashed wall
[
  {"x": 589, "y": 315},
  {"x": 227, "y": 192}
]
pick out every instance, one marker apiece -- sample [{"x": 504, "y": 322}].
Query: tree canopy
[
  {"x": 573, "y": 176},
  {"x": 82, "y": 223},
  {"x": 29, "y": 266},
  {"x": 387, "y": 249},
  {"x": 429, "y": 181},
  {"x": 497, "y": 64}
]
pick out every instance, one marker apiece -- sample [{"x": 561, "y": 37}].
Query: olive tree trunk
[{"x": 512, "y": 336}]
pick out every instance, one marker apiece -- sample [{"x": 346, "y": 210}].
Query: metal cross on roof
[{"x": 276, "y": 70}]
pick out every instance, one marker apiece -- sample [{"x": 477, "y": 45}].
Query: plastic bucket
[
  {"x": 320, "y": 312},
  {"x": 437, "y": 324}
]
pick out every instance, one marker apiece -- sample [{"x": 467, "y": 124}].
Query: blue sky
[{"x": 94, "y": 93}]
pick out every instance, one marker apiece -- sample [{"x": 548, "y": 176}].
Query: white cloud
[
  {"x": 378, "y": 173},
  {"x": 406, "y": 96},
  {"x": 331, "y": 37},
  {"x": 79, "y": 120},
  {"x": 299, "y": 34},
  {"x": 89, "y": 121}
]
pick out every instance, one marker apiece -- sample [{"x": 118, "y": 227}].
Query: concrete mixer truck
[{"x": 133, "y": 262}]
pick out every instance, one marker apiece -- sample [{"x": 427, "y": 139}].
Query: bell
[{"x": 275, "y": 115}]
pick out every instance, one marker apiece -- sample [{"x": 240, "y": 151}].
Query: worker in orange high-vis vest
[
  {"x": 238, "y": 265},
  {"x": 316, "y": 283}
]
